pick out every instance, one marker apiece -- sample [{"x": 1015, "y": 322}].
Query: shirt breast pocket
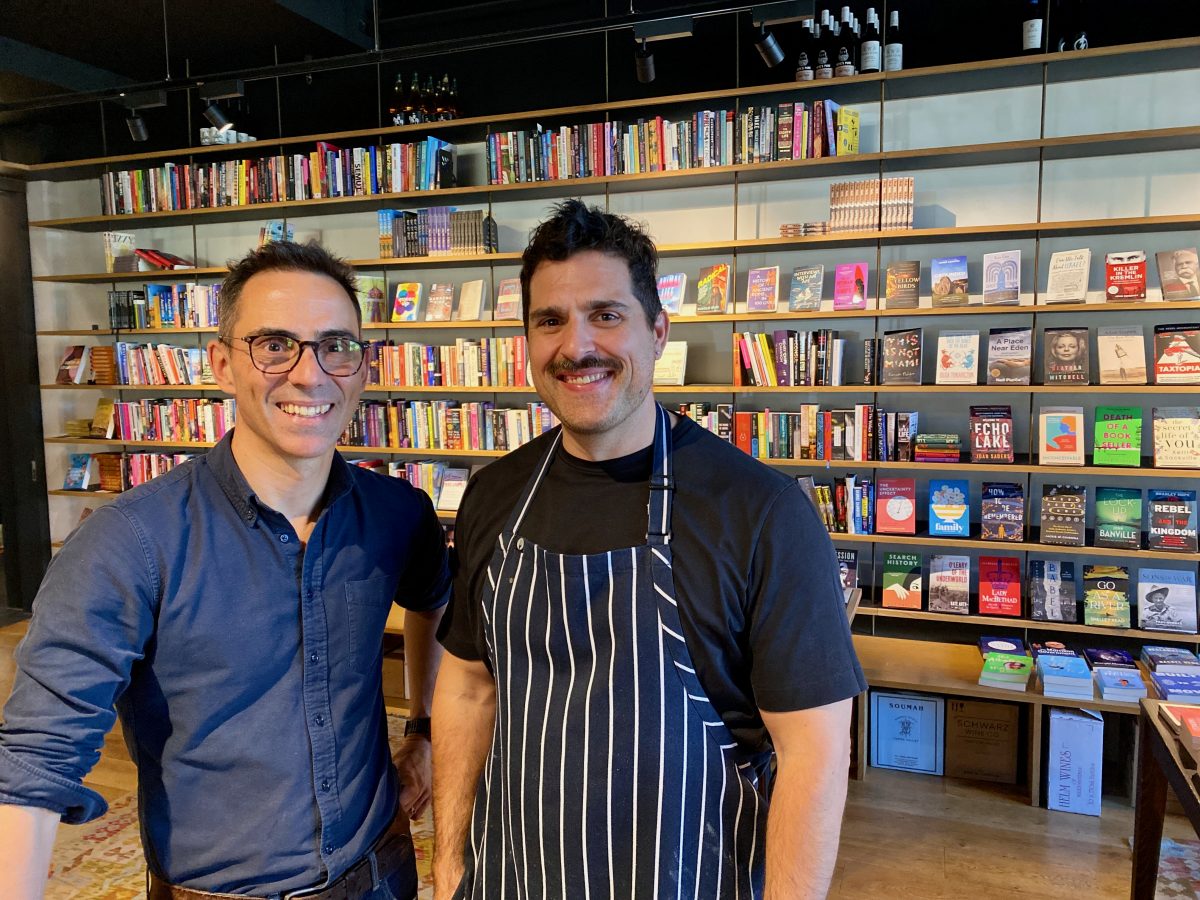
[{"x": 368, "y": 603}]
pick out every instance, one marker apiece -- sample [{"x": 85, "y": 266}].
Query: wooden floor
[{"x": 904, "y": 836}]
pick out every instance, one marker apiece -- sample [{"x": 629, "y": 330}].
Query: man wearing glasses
[{"x": 232, "y": 610}]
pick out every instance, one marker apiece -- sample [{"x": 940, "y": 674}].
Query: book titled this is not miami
[{"x": 1002, "y": 278}]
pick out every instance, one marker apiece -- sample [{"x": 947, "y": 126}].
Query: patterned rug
[
  {"x": 1178, "y": 871},
  {"x": 102, "y": 860}
]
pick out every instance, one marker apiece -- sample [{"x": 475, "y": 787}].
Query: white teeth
[
  {"x": 583, "y": 379},
  {"x": 307, "y": 412}
]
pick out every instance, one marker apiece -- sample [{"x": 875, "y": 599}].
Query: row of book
[
  {"x": 788, "y": 358},
  {"x": 706, "y": 138},
  {"x": 411, "y": 302},
  {"x": 327, "y": 171},
  {"x": 120, "y": 255},
  {"x": 117, "y": 471},
  {"x": 165, "y": 306},
  {"x": 175, "y": 419},
  {"x": 436, "y": 231},
  {"x": 1066, "y": 673},
  {"x": 445, "y": 425},
  {"x": 445, "y": 484},
  {"x": 470, "y": 362},
  {"x": 854, "y": 504},
  {"x": 873, "y": 204}
]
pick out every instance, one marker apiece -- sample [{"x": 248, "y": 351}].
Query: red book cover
[
  {"x": 1125, "y": 276},
  {"x": 743, "y": 430},
  {"x": 999, "y": 586},
  {"x": 896, "y": 506}
]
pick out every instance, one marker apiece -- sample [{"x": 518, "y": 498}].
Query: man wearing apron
[{"x": 642, "y": 618}]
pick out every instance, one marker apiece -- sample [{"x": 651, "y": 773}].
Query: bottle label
[
  {"x": 893, "y": 57},
  {"x": 869, "y": 56},
  {"x": 1031, "y": 38},
  {"x": 804, "y": 74},
  {"x": 843, "y": 70}
]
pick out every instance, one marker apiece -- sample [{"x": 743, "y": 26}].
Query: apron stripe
[
  {"x": 562, "y": 769},
  {"x": 541, "y": 805},
  {"x": 612, "y": 674},
  {"x": 533, "y": 585},
  {"x": 587, "y": 731}
]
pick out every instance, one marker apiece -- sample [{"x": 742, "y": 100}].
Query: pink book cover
[{"x": 850, "y": 286}]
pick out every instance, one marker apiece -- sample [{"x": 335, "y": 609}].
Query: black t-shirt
[{"x": 755, "y": 573}]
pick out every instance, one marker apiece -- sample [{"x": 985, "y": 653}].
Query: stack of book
[
  {"x": 939, "y": 448},
  {"x": 1005, "y": 664},
  {"x": 1063, "y": 673},
  {"x": 1184, "y": 721},
  {"x": 803, "y": 229},
  {"x": 1122, "y": 685},
  {"x": 1170, "y": 660}
]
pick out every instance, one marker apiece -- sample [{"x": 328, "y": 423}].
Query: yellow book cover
[{"x": 847, "y": 131}]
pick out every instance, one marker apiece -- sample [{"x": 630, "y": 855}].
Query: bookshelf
[{"x": 1036, "y": 157}]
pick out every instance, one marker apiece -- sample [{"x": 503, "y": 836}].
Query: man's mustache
[{"x": 561, "y": 366}]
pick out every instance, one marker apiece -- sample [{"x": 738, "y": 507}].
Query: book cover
[
  {"x": 958, "y": 357},
  {"x": 991, "y": 432},
  {"x": 847, "y": 570},
  {"x": 850, "y": 286},
  {"x": 470, "y": 301},
  {"x": 73, "y": 367},
  {"x": 1125, "y": 276},
  {"x": 1119, "y": 517},
  {"x": 712, "y": 290},
  {"x": 1106, "y": 596},
  {"x": 372, "y": 297},
  {"x": 808, "y": 283},
  {"x": 1121, "y": 354},
  {"x": 453, "y": 486},
  {"x": 1060, "y": 436},
  {"x": 79, "y": 472},
  {"x": 1167, "y": 600},
  {"x": 1010, "y": 355},
  {"x": 671, "y": 291},
  {"x": 1067, "y": 281},
  {"x": 1171, "y": 520},
  {"x": 1063, "y": 514},
  {"x": 896, "y": 506},
  {"x": 1052, "y": 592},
  {"x": 1179, "y": 273},
  {"x": 1165, "y": 660},
  {"x": 440, "y": 306},
  {"x": 1002, "y": 278},
  {"x": 1118, "y": 436},
  {"x": 1176, "y": 437},
  {"x": 1177, "y": 354},
  {"x": 949, "y": 507},
  {"x": 407, "y": 304},
  {"x": 948, "y": 281},
  {"x": 1109, "y": 658},
  {"x": 950, "y": 584},
  {"x": 762, "y": 289},
  {"x": 118, "y": 252},
  {"x": 671, "y": 367},
  {"x": 901, "y": 581},
  {"x": 1066, "y": 356},
  {"x": 1002, "y": 511},
  {"x": 902, "y": 284},
  {"x": 103, "y": 420},
  {"x": 1013, "y": 645},
  {"x": 999, "y": 586},
  {"x": 508, "y": 300},
  {"x": 901, "y": 357}
]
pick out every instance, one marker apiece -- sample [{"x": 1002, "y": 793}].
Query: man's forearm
[
  {"x": 27, "y": 841},
  {"x": 422, "y": 657}
]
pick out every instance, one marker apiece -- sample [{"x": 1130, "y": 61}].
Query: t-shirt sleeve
[
  {"x": 426, "y": 580},
  {"x": 461, "y": 630},
  {"x": 800, "y": 646}
]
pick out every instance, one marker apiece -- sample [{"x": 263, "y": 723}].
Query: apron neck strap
[{"x": 662, "y": 483}]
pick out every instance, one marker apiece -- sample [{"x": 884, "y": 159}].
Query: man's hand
[{"x": 414, "y": 763}]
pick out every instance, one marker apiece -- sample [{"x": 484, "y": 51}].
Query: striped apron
[{"x": 610, "y": 773}]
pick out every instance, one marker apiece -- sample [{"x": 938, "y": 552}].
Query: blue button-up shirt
[{"x": 245, "y": 668}]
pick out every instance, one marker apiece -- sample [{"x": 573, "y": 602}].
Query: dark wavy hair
[
  {"x": 574, "y": 227},
  {"x": 282, "y": 256}
]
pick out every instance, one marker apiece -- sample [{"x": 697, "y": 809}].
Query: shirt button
[
  {"x": 312, "y": 657},
  {"x": 328, "y": 848},
  {"x": 520, "y": 543},
  {"x": 319, "y": 720},
  {"x": 283, "y": 539},
  {"x": 325, "y": 784}
]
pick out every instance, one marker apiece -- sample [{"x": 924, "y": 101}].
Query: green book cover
[
  {"x": 1118, "y": 436},
  {"x": 1119, "y": 517},
  {"x": 902, "y": 580},
  {"x": 1007, "y": 667},
  {"x": 1106, "y": 596}
]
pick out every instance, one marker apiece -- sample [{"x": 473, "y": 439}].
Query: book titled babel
[
  {"x": 950, "y": 584},
  {"x": 999, "y": 586},
  {"x": 1171, "y": 522},
  {"x": 1166, "y": 600},
  {"x": 1052, "y": 592},
  {"x": 1177, "y": 354},
  {"x": 1176, "y": 437}
]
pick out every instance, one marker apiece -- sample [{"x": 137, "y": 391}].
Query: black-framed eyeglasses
[{"x": 277, "y": 354}]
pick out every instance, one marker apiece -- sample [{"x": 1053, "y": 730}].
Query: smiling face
[
  {"x": 1065, "y": 348},
  {"x": 298, "y": 415},
  {"x": 592, "y": 353}
]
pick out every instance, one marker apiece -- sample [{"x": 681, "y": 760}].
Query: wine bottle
[
  {"x": 843, "y": 61},
  {"x": 428, "y": 100},
  {"x": 868, "y": 54},
  {"x": 395, "y": 110},
  {"x": 893, "y": 51},
  {"x": 1072, "y": 33},
  {"x": 453, "y": 104},
  {"x": 412, "y": 103},
  {"x": 804, "y": 62},
  {"x": 1033, "y": 26},
  {"x": 823, "y": 69}
]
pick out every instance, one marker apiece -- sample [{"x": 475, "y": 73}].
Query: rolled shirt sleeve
[{"x": 92, "y": 618}]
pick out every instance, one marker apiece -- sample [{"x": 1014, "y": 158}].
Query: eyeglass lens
[{"x": 275, "y": 354}]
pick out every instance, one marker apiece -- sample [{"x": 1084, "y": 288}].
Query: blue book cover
[
  {"x": 1054, "y": 666},
  {"x": 1001, "y": 645},
  {"x": 1177, "y": 687},
  {"x": 1101, "y": 657},
  {"x": 1121, "y": 680},
  {"x": 949, "y": 507},
  {"x": 1051, "y": 648}
]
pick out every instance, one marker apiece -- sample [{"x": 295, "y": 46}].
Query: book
[
  {"x": 1002, "y": 511},
  {"x": 1119, "y": 517},
  {"x": 1179, "y": 273},
  {"x": 999, "y": 586},
  {"x": 1065, "y": 355},
  {"x": 1067, "y": 281},
  {"x": 989, "y": 645},
  {"x": 1106, "y": 596},
  {"x": 1124, "y": 687},
  {"x": 1170, "y": 660},
  {"x": 406, "y": 307},
  {"x": 712, "y": 290},
  {"x": 808, "y": 283},
  {"x": 671, "y": 367},
  {"x": 118, "y": 252},
  {"x": 1176, "y": 436},
  {"x": 1060, "y": 436},
  {"x": 901, "y": 359},
  {"x": 1063, "y": 514},
  {"x": 902, "y": 284},
  {"x": 103, "y": 419},
  {"x": 896, "y": 506},
  {"x": 901, "y": 581},
  {"x": 671, "y": 291},
  {"x": 1167, "y": 600},
  {"x": 850, "y": 286},
  {"x": 949, "y": 507},
  {"x": 1121, "y": 354},
  {"x": 508, "y": 300},
  {"x": 1177, "y": 354},
  {"x": 991, "y": 430},
  {"x": 1006, "y": 670},
  {"x": 948, "y": 281},
  {"x": 1117, "y": 438},
  {"x": 79, "y": 472},
  {"x": 1171, "y": 520},
  {"x": 74, "y": 366},
  {"x": 1125, "y": 276},
  {"x": 958, "y": 357},
  {"x": 440, "y": 306},
  {"x": 275, "y": 230},
  {"x": 1010, "y": 355},
  {"x": 950, "y": 584},
  {"x": 762, "y": 289},
  {"x": 1052, "y": 594},
  {"x": 454, "y": 485},
  {"x": 847, "y": 570},
  {"x": 1002, "y": 278},
  {"x": 372, "y": 297},
  {"x": 1109, "y": 658},
  {"x": 470, "y": 301}
]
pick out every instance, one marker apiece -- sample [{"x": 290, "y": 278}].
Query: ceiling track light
[
  {"x": 217, "y": 118},
  {"x": 137, "y": 127},
  {"x": 220, "y": 90},
  {"x": 658, "y": 30},
  {"x": 643, "y": 59},
  {"x": 768, "y": 48},
  {"x": 141, "y": 100}
]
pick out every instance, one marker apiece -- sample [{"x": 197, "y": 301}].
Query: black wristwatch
[{"x": 417, "y": 726}]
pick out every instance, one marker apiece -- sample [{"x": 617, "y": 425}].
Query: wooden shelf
[
  {"x": 120, "y": 332},
  {"x": 202, "y": 445},
  {"x": 212, "y": 388},
  {"x": 949, "y": 543},
  {"x": 88, "y": 494},
  {"x": 1020, "y": 467}
]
